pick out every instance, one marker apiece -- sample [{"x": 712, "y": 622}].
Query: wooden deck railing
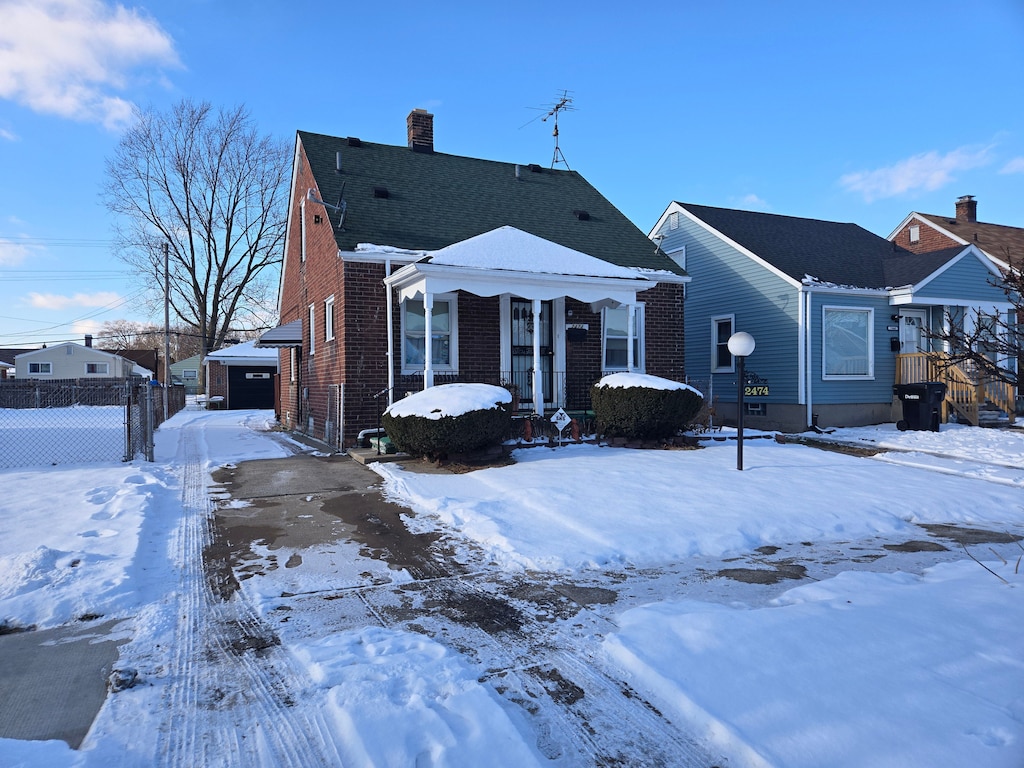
[{"x": 964, "y": 393}]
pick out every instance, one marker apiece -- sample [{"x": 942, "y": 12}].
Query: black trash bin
[{"x": 922, "y": 405}]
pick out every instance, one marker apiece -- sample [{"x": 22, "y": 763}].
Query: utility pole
[{"x": 167, "y": 328}]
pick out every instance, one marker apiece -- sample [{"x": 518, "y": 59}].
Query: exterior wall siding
[
  {"x": 878, "y": 389},
  {"x": 968, "y": 281},
  {"x": 727, "y": 282}
]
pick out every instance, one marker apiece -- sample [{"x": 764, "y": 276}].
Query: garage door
[{"x": 250, "y": 387}]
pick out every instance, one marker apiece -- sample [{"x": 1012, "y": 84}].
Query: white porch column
[
  {"x": 428, "y": 343},
  {"x": 630, "y": 333},
  {"x": 538, "y": 374}
]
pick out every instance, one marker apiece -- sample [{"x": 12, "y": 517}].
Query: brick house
[
  {"x": 518, "y": 275},
  {"x": 926, "y": 233},
  {"x": 929, "y": 233}
]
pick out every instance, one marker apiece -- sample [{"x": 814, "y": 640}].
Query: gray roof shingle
[
  {"x": 434, "y": 200},
  {"x": 844, "y": 254}
]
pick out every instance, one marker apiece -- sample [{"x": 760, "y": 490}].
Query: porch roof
[
  {"x": 287, "y": 335},
  {"x": 509, "y": 261}
]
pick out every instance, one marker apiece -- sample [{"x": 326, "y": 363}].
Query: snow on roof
[
  {"x": 450, "y": 400},
  {"x": 628, "y": 380},
  {"x": 247, "y": 349},
  {"x": 512, "y": 249}
]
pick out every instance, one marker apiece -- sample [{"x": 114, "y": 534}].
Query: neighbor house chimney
[
  {"x": 966, "y": 209},
  {"x": 421, "y": 130},
  {"x": 88, "y": 340}
]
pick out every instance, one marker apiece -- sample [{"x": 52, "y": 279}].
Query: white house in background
[{"x": 72, "y": 361}]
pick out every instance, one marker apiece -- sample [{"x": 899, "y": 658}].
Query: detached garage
[{"x": 243, "y": 375}]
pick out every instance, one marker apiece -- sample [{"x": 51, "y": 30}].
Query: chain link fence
[{"x": 74, "y": 421}]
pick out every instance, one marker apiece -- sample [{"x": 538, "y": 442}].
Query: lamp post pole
[{"x": 740, "y": 346}]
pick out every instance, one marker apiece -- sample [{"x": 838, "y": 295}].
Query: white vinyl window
[
  {"x": 443, "y": 327},
  {"x": 616, "y": 338},
  {"x": 40, "y": 367},
  {"x": 312, "y": 329},
  {"x": 721, "y": 358},
  {"x": 97, "y": 369},
  {"x": 915, "y": 234},
  {"x": 329, "y": 319},
  {"x": 847, "y": 343}
]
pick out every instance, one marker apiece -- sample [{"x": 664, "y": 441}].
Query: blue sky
[{"x": 856, "y": 112}]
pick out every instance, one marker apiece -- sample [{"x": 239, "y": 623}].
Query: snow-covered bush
[
  {"x": 641, "y": 407},
  {"x": 449, "y": 419}
]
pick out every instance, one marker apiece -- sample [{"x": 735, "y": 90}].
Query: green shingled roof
[{"x": 434, "y": 200}]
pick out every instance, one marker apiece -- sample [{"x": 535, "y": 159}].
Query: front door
[
  {"x": 522, "y": 327},
  {"x": 912, "y": 325}
]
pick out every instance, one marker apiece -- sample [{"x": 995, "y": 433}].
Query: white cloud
[
  {"x": 70, "y": 57},
  {"x": 928, "y": 171},
  {"x": 8, "y": 135},
  {"x": 12, "y": 254},
  {"x": 1014, "y": 166},
  {"x": 56, "y": 301},
  {"x": 752, "y": 202},
  {"x": 83, "y": 327}
]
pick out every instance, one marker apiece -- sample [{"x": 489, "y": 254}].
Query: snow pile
[
  {"x": 630, "y": 380},
  {"x": 450, "y": 400}
]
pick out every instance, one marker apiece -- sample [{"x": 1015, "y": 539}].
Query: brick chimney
[
  {"x": 421, "y": 130},
  {"x": 966, "y": 209}
]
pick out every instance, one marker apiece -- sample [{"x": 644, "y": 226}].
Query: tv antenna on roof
[{"x": 563, "y": 104}]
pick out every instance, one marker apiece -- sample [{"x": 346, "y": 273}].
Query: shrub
[
  {"x": 449, "y": 419},
  {"x": 641, "y": 407}
]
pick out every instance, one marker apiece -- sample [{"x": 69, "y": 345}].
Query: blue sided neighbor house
[{"x": 839, "y": 316}]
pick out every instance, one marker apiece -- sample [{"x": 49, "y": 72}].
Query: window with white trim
[
  {"x": 190, "y": 373},
  {"x": 847, "y": 343},
  {"x": 915, "y": 234},
  {"x": 443, "y": 327},
  {"x": 329, "y": 319},
  {"x": 97, "y": 369},
  {"x": 678, "y": 255},
  {"x": 616, "y": 338},
  {"x": 312, "y": 328},
  {"x": 721, "y": 358},
  {"x": 40, "y": 367}
]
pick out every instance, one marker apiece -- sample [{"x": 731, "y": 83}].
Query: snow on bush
[{"x": 642, "y": 407}]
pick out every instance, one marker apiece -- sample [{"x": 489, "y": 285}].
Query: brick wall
[{"x": 930, "y": 239}]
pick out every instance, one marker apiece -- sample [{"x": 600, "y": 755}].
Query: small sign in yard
[{"x": 560, "y": 419}]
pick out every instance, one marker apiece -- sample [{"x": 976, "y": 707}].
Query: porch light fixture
[{"x": 741, "y": 345}]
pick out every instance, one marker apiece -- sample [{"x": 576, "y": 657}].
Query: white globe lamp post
[{"x": 741, "y": 345}]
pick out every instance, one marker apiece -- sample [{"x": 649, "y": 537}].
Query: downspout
[
  {"x": 810, "y": 360},
  {"x": 801, "y": 348},
  {"x": 389, "y": 304}
]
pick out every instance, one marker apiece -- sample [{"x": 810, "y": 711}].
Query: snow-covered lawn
[{"x": 863, "y": 668}]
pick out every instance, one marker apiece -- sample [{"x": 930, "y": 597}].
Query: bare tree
[
  {"x": 990, "y": 342},
  {"x": 207, "y": 184},
  {"x": 118, "y": 335}
]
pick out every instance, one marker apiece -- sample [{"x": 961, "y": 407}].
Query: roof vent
[
  {"x": 381, "y": 192},
  {"x": 354, "y": 142},
  {"x": 581, "y": 215},
  {"x": 534, "y": 168}
]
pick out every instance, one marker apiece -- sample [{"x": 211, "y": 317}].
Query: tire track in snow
[{"x": 234, "y": 697}]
